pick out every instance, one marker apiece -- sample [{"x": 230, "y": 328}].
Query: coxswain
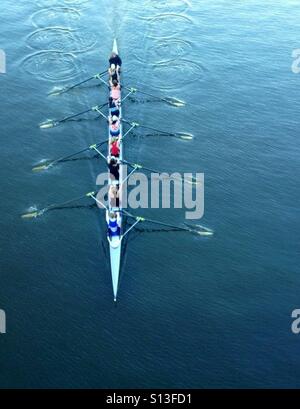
[
  {"x": 113, "y": 220},
  {"x": 116, "y": 60}
]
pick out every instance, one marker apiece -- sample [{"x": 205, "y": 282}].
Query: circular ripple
[
  {"x": 56, "y": 16},
  {"x": 163, "y": 24},
  {"x": 168, "y": 76},
  {"x": 60, "y": 39},
  {"x": 51, "y": 65},
  {"x": 167, "y": 51},
  {"x": 177, "y": 6},
  {"x": 51, "y": 3},
  {"x": 75, "y": 2}
]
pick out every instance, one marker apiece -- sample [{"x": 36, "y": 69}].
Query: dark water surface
[{"x": 192, "y": 312}]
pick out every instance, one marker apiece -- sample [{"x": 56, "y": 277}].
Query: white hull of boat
[{"x": 115, "y": 261}]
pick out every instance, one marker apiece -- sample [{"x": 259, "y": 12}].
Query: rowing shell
[{"x": 115, "y": 242}]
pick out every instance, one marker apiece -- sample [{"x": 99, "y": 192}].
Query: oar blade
[
  {"x": 199, "y": 229},
  {"x": 184, "y": 135},
  {"x": 56, "y": 91},
  {"x": 30, "y": 215},
  {"x": 175, "y": 102},
  {"x": 50, "y": 124},
  {"x": 169, "y": 100},
  {"x": 205, "y": 233},
  {"x": 191, "y": 181},
  {"x": 41, "y": 167},
  {"x": 204, "y": 228},
  {"x": 62, "y": 91}
]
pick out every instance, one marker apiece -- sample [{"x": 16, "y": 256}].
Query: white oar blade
[
  {"x": 184, "y": 135},
  {"x": 175, "y": 102},
  {"x": 56, "y": 91},
  {"x": 46, "y": 125},
  {"x": 205, "y": 233},
  {"x": 41, "y": 166}
]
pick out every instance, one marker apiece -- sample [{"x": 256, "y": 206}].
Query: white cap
[
  {"x": 114, "y": 118},
  {"x": 113, "y": 67}
]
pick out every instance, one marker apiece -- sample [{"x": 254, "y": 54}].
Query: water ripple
[
  {"x": 167, "y": 16},
  {"x": 51, "y": 65},
  {"x": 55, "y": 16},
  {"x": 162, "y": 52},
  {"x": 161, "y": 24},
  {"x": 61, "y": 39},
  {"x": 177, "y": 6},
  {"x": 168, "y": 76},
  {"x": 75, "y": 2},
  {"x": 51, "y": 3}
]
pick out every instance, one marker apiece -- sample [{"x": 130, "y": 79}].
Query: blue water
[{"x": 192, "y": 312}]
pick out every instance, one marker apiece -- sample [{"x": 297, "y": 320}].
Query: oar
[
  {"x": 191, "y": 229},
  {"x": 192, "y": 181},
  {"x": 63, "y": 90},
  {"x": 48, "y": 164},
  {"x": 40, "y": 212},
  {"x": 51, "y": 124},
  {"x": 170, "y": 100},
  {"x": 181, "y": 135}
]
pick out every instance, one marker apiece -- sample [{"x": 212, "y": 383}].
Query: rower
[
  {"x": 113, "y": 167},
  {"x": 113, "y": 108},
  {"x": 113, "y": 73},
  {"x": 113, "y": 196},
  {"x": 115, "y": 91},
  {"x": 114, "y": 126},
  {"x": 116, "y": 60},
  {"x": 115, "y": 148},
  {"x": 113, "y": 220}
]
